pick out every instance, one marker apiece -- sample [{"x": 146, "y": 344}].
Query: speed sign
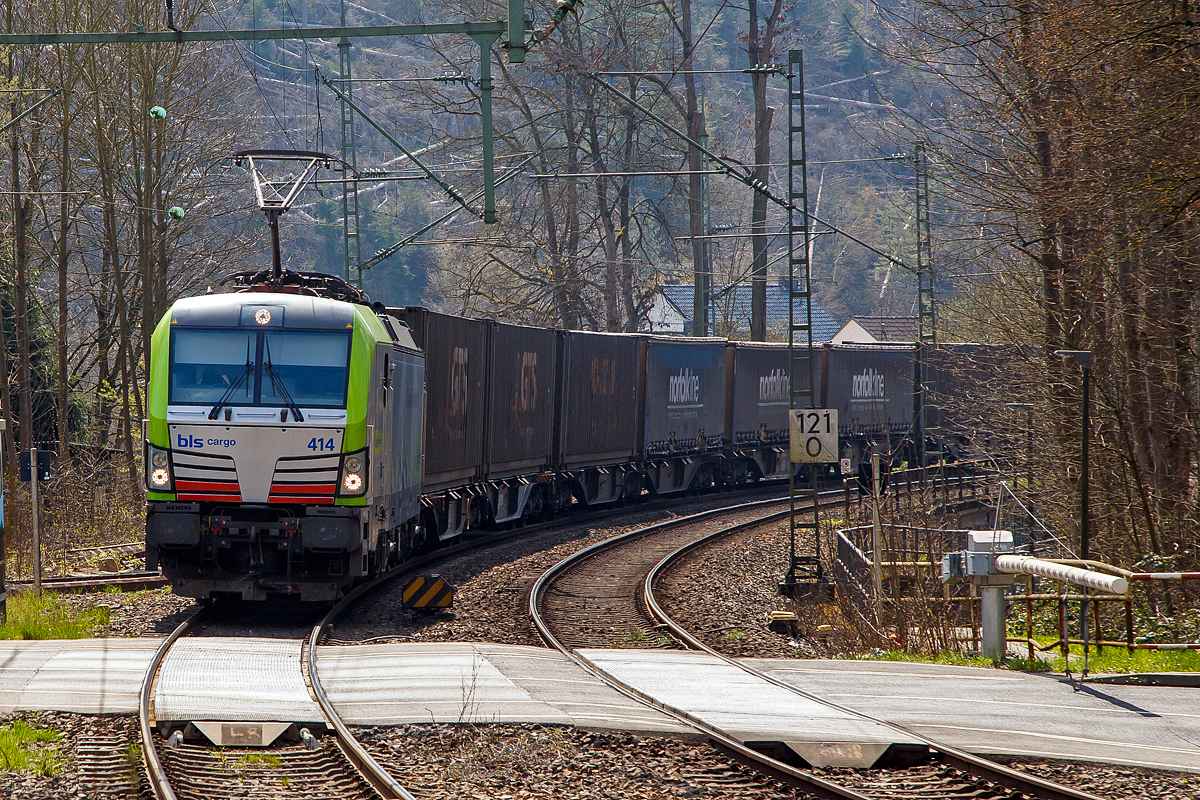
[{"x": 814, "y": 435}]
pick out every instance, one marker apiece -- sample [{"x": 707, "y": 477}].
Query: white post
[{"x": 37, "y": 543}]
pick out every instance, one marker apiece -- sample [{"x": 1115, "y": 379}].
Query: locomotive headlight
[
  {"x": 159, "y": 475},
  {"x": 352, "y": 477}
]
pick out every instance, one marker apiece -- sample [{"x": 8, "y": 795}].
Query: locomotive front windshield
[{"x": 259, "y": 368}]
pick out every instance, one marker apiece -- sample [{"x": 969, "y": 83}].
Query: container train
[{"x": 297, "y": 443}]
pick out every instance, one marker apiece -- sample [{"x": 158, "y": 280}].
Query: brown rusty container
[
  {"x": 456, "y": 364},
  {"x": 599, "y": 399},
  {"x": 520, "y": 434}
]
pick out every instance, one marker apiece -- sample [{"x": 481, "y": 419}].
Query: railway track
[
  {"x": 339, "y": 768},
  {"x": 327, "y": 768},
  {"x": 617, "y": 578}
]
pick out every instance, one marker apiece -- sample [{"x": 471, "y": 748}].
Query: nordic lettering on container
[
  {"x": 774, "y": 388},
  {"x": 867, "y": 386},
  {"x": 684, "y": 387}
]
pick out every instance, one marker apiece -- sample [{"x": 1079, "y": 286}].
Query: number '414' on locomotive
[{"x": 283, "y": 447}]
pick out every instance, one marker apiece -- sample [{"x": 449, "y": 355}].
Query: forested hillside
[{"x": 1063, "y": 170}]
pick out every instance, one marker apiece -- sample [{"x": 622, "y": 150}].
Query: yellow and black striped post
[{"x": 429, "y": 592}]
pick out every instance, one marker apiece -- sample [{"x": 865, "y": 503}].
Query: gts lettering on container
[
  {"x": 198, "y": 443},
  {"x": 684, "y": 387},
  {"x": 604, "y": 376},
  {"x": 524, "y": 393},
  {"x": 456, "y": 419},
  {"x": 525, "y": 396}
]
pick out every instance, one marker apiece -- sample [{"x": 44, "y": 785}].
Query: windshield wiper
[
  {"x": 277, "y": 384},
  {"x": 233, "y": 387}
]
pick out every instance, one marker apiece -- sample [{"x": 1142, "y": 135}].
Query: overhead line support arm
[
  {"x": 388, "y": 252},
  {"x": 732, "y": 171},
  {"x": 53, "y": 94},
  {"x": 263, "y": 34},
  {"x": 450, "y": 190}
]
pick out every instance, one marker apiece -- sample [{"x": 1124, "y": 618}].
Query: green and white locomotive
[{"x": 284, "y": 444}]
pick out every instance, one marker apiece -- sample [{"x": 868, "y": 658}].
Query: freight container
[
  {"x": 683, "y": 400},
  {"x": 521, "y": 401},
  {"x": 760, "y": 394},
  {"x": 758, "y": 397},
  {"x": 599, "y": 420},
  {"x": 456, "y": 364},
  {"x": 871, "y": 386}
]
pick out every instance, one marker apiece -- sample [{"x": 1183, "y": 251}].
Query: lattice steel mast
[{"x": 801, "y": 354}]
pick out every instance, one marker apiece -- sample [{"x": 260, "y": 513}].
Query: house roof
[
  {"x": 737, "y": 303},
  {"x": 890, "y": 329}
]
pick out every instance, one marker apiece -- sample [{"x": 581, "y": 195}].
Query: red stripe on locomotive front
[
  {"x": 222, "y": 487},
  {"x": 302, "y": 488},
  {"x": 315, "y": 500}
]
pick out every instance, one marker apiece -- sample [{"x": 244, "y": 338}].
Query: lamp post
[{"x": 1084, "y": 357}]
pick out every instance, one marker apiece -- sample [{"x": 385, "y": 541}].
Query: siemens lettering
[{"x": 684, "y": 387}]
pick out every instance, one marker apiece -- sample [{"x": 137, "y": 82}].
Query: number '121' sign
[{"x": 814, "y": 435}]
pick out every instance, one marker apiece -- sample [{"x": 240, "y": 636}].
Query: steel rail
[
  {"x": 960, "y": 759},
  {"x": 97, "y": 582},
  {"x": 160, "y": 784},
  {"x": 785, "y": 773},
  {"x": 374, "y": 773}
]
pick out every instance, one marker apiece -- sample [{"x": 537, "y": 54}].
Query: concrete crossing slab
[
  {"x": 735, "y": 701},
  {"x": 84, "y": 676},
  {"x": 982, "y": 710},
  {"x": 992, "y": 711},
  {"x": 234, "y": 680},
  {"x": 464, "y": 682}
]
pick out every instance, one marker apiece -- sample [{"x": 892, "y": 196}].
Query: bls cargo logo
[
  {"x": 684, "y": 387},
  {"x": 774, "y": 388},
  {"x": 867, "y": 387},
  {"x": 456, "y": 427},
  {"x": 189, "y": 442},
  {"x": 525, "y": 395}
]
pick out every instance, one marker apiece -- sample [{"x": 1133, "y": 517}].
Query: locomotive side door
[{"x": 383, "y": 397}]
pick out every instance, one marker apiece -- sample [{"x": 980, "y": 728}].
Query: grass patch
[
  {"x": 260, "y": 761},
  {"x": 1118, "y": 660},
  {"x": 49, "y": 617},
  {"x": 26, "y": 748},
  {"x": 956, "y": 660}
]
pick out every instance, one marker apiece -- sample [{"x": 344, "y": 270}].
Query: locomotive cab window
[
  {"x": 267, "y": 367},
  {"x": 206, "y": 363}
]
